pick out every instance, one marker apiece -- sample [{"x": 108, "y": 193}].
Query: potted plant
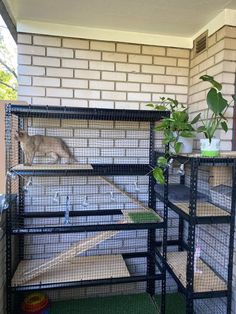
[
  {"x": 178, "y": 132},
  {"x": 215, "y": 119}
]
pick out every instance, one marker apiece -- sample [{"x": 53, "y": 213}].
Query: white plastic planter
[
  {"x": 187, "y": 145},
  {"x": 210, "y": 149}
]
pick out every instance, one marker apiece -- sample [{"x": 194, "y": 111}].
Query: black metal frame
[
  {"x": 193, "y": 220},
  {"x": 98, "y": 169}
]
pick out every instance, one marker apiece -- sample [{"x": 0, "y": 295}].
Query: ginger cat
[{"x": 53, "y": 146}]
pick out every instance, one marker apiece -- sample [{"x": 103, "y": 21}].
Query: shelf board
[
  {"x": 207, "y": 281},
  {"x": 81, "y": 169},
  {"x": 204, "y": 209},
  {"x": 45, "y": 167},
  {"x": 205, "y": 212},
  {"x": 77, "y": 269}
]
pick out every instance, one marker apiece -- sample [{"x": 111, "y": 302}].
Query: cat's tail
[{"x": 71, "y": 158}]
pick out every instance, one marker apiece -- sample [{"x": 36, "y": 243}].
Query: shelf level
[
  {"x": 205, "y": 212},
  {"x": 77, "y": 269},
  {"x": 207, "y": 281},
  {"x": 85, "y": 113},
  {"x": 81, "y": 169},
  {"x": 87, "y": 228}
]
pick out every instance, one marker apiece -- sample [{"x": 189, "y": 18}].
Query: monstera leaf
[{"x": 216, "y": 102}]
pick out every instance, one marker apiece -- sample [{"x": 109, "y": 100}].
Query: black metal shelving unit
[
  {"x": 18, "y": 230},
  {"x": 204, "y": 221}
]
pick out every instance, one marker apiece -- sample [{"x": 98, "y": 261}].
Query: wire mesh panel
[
  {"x": 85, "y": 215},
  {"x": 105, "y": 299},
  {"x": 83, "y": 200},
  {"x": 215, "y": 305},
  {"x": 204, "y": 201},
  {"x": 88, "y": 141}
]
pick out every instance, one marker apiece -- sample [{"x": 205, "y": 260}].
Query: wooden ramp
[
  {"x": 75, "y": 269},
  {"x": 204, "y": 209},
  {"x": 67, "y": 255},
  {"x": 206, "y": 281}
]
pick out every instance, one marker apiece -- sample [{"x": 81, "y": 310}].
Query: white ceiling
[
  {"x": 163, "y": 17},
  {"x": 173, "y": 23}
]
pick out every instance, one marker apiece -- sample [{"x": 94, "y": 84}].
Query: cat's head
[{"x": 20, "y": 135}]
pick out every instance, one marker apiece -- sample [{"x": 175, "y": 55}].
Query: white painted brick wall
[{"x": 98, "y": 68}]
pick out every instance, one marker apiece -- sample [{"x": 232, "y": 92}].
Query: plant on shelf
[
  {"x": 178, "y": 132},
  {"x": 215, "y": 118}
]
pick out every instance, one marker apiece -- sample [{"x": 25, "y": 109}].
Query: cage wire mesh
[
  {"x": 54, "y": 259},
  {"x": 212, "y": 240}
]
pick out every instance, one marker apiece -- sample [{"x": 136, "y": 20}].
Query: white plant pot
[
  {"x": 186, "y": 146},
  {"x": 210, "y": 149}
]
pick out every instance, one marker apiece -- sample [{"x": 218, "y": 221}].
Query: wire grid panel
[
  {"x": 95, "y": 141},
  {"x": 215, "y": 305},
  {"x": 106, "y": 299},
  {"x": 214, "y": 187},
  {"x": 58, "y": 258},
  {"x": 211, "y": 256},
  {"x": 61, "y": 201}
]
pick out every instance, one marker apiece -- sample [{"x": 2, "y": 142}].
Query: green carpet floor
[
  {"x": 175, "y": 303},
  {"x": 127, "y": 304}
]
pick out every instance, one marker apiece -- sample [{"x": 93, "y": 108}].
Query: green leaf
[
  {"x": 162, "y": 161},
  {"x": 173, "y": 101},
  {"x": 201, "y": 129},
  {"x": 186, "y": 134},
  {"x": 224, "y": 126},
  {"x": 215, "y": 101},
  {"x": 158, "y": 174},
  {"x": 211, "y": 80},
  {"x": 160, "y": 108},
  {"x": 196, "y": 119},
  {"x": 177, "y": 147},
  {"x": 150, "y": 105}
]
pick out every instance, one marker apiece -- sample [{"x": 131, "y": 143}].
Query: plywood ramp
[
  {"x": 204, "y": 209},
  {"x": 203, "y": 282},
  {"x": 76, "y": 269},
  {"x": 40, "y": 167}
]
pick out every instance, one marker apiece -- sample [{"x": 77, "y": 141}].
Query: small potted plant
[
  {"x": 215, "y": 119},
  {"x": 178, "y": 132}
]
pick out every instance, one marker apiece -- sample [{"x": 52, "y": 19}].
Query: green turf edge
[{"x": 142, "y": 217}]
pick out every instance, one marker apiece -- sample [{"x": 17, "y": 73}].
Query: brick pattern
[
  {"x": 219, "y": 61},
  {"x": 87, "y": 73}
]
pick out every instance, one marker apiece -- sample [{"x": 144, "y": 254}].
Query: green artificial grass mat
[
  {"x": 122, "y": 304},
  {"x": 175, "y": 303},
  {"x": 142, "y": 217}
]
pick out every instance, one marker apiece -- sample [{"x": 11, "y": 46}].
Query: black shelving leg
[
  {"x": 191, "y": 236},
  {"x": 231, "y": 239}
]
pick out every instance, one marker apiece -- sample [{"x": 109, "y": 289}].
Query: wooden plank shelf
[
  {"x": 206, "y": 281},
  {"x": 204, "y": 209},
  {"x": 55, "y": 167},
  {"x": 76, "y": 269}
]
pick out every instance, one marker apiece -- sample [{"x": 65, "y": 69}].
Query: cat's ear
[{"x": 21, "y": 133}]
